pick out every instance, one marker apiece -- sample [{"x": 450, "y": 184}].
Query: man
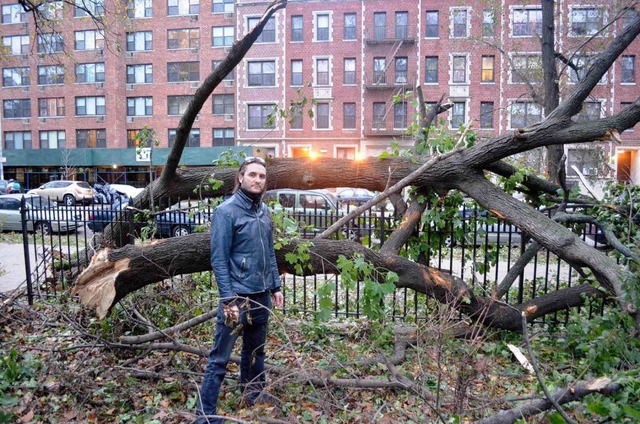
[{"x": 244, "y": 263}]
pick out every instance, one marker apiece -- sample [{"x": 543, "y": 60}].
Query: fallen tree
[{"x": 121, "y": 270}]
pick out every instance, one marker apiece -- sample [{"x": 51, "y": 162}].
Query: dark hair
[{"x": 247, "y": 161}]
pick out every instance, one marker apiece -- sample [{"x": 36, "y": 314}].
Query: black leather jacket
[{"x": 242, "y": 254}]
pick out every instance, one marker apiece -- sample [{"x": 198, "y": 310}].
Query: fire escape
[{"x": 386, "y": 82}]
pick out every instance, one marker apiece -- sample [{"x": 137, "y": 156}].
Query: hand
[
  {"x": 278, "y": 299},
  {"x": 231, "y": 314}
]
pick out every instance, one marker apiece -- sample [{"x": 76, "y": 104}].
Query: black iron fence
[{"x": 59, "y": 241}]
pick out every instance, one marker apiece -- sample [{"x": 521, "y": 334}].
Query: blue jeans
[{"x": 254, "y": 335}]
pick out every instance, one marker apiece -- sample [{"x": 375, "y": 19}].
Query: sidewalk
[{"x": 12, "y": 265}]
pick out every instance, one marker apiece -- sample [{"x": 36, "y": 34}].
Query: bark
[{"x": 565, "y": 395}]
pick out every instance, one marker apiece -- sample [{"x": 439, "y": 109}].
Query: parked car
[
  {"x": 102, "y": 215},
  {"x": 480, "y": 229},
  {"x": 43, "y": 215},
  {"x": 179, "y": 220},
  {"x": 356, "y": 196},
  {"x": 315, "y": 210},
  {"x": 67, "y": 192}
]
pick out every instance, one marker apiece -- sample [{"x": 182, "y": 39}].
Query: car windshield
[{"x": 37, "y": 202}]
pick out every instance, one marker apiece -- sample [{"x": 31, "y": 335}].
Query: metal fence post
[{"x": 25, "y": 245}]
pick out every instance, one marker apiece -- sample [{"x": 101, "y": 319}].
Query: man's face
[{"x": 254, "y": 179}]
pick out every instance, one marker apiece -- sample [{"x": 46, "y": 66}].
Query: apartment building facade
[{"x": 343, "y": 74}]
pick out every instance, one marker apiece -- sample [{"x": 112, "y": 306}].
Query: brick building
[{"x": 74, "y": 95}]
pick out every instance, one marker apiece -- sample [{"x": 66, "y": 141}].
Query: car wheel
[
  {"x": 69, "y": 200},
  {"x": 350, "y": 232},
  {"x": 180, "y": 231},
  {"x": 450, "y": 241},
  {"x": 42, "y": 228}
]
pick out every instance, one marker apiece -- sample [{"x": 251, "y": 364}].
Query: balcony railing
[{"x": 381, "y": 35}]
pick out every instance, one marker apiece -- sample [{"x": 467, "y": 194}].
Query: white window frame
[
  {"x": 604, "y": 16},
  {"x": 315, "y": 70},
  {"x": 467, "y": 68},
  {"x": 452, "y": 11},
  {"x": 315, "y": 25}
]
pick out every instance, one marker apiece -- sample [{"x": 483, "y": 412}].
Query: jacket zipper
[{"x": 264, "y": 250}]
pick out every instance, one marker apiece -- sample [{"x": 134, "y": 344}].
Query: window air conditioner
[{"x": 129, "y": 119}]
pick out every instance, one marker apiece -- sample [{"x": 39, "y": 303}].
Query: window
[
  {"x": 183, "y": 38},
  {"x": 140, "y": 8},
  {"x": 296, "y": 72},
  {"x": 139, "y": 41},
  {"x": 16, "y": 44},
  {"x": 296, "y": 28},
  {"x": 259, "y": 116},
  {"x": 349, "y": 71},
  {"x": 379, "y": 70},
  {"x": 322, "y": 27},
  {"x": 89, "y": 40},
  {"x": 432, "y": 24},
  {"x": 50, "y": 107},
  {"x": 459, "y": 69},
  {"x": 176, "y": 105},
  {"x": 349, "y": 116},
  {"x": 268, "y": 34},
  {"x": 222, "y": 6},
  {"x": 91, "y": 138},
  {"x": 590, "y": 111},
  {"x": 50, "y": 43},
  {"x": 87, "y": 106},
  {"x": 52, "y": 139},
  {"x": 527, "y": 22},
  {"x": 400, "y": 115},
  {"x": 628, "y": 16},
  {"x": 183, "y": 7},
  {"x": 193, "y": 141},
  {"x": 223, "y": 104},
  {"x": 628, "y": 69},
  {"x": 488, "y": 63},
  {"x": 431, "y": 70},
  {"x": 52, "y": 10},
  {"x": 348, "y": 153},
  {"x": 526, "y": 67},
  {"x": 223, "y": 36},
  {"x": 379, "y": 115},
  {"x": 88, "y": 7},
  {"x": 458, "y": 113},
  {"x": 488, "y": 23},
  {"x": 16, "y": 77},
  {"x": 582, "y": 64},
  {"x": 322, "y": 116},
  {"x": 586, "y": 21},
  {"x": 459, "y": 19},
  {"x": 229, "y": 77},
  {"x": 486, "y": 115},
  {"x": 140, "y": 74},
  {"x": 139, "y": 106},
  {"x": 296, "y": 117},
  {"x": 350, "y": 30},
  {"x": 50, "y": 74},
  {"x": 401, "y": 70},
  {"x": 524, "y": 114},
  {"x": 133, "y": 141},
  {"x": 223, "y": 137},
  {"x": 402, "y": 24},
  {"x": 90, "y": 72},
  {"x": 19, "y": 108},
  {"x": 262, "y": 74},
  {"x": 586, "y": 160},
  {"x": 17, "y": 140},
  {"x": 183, "y": 71},
  {"x": 322, "y": 71},
  {"x": 13, "y": 14},
  {"x": 379, "y": 25}
]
